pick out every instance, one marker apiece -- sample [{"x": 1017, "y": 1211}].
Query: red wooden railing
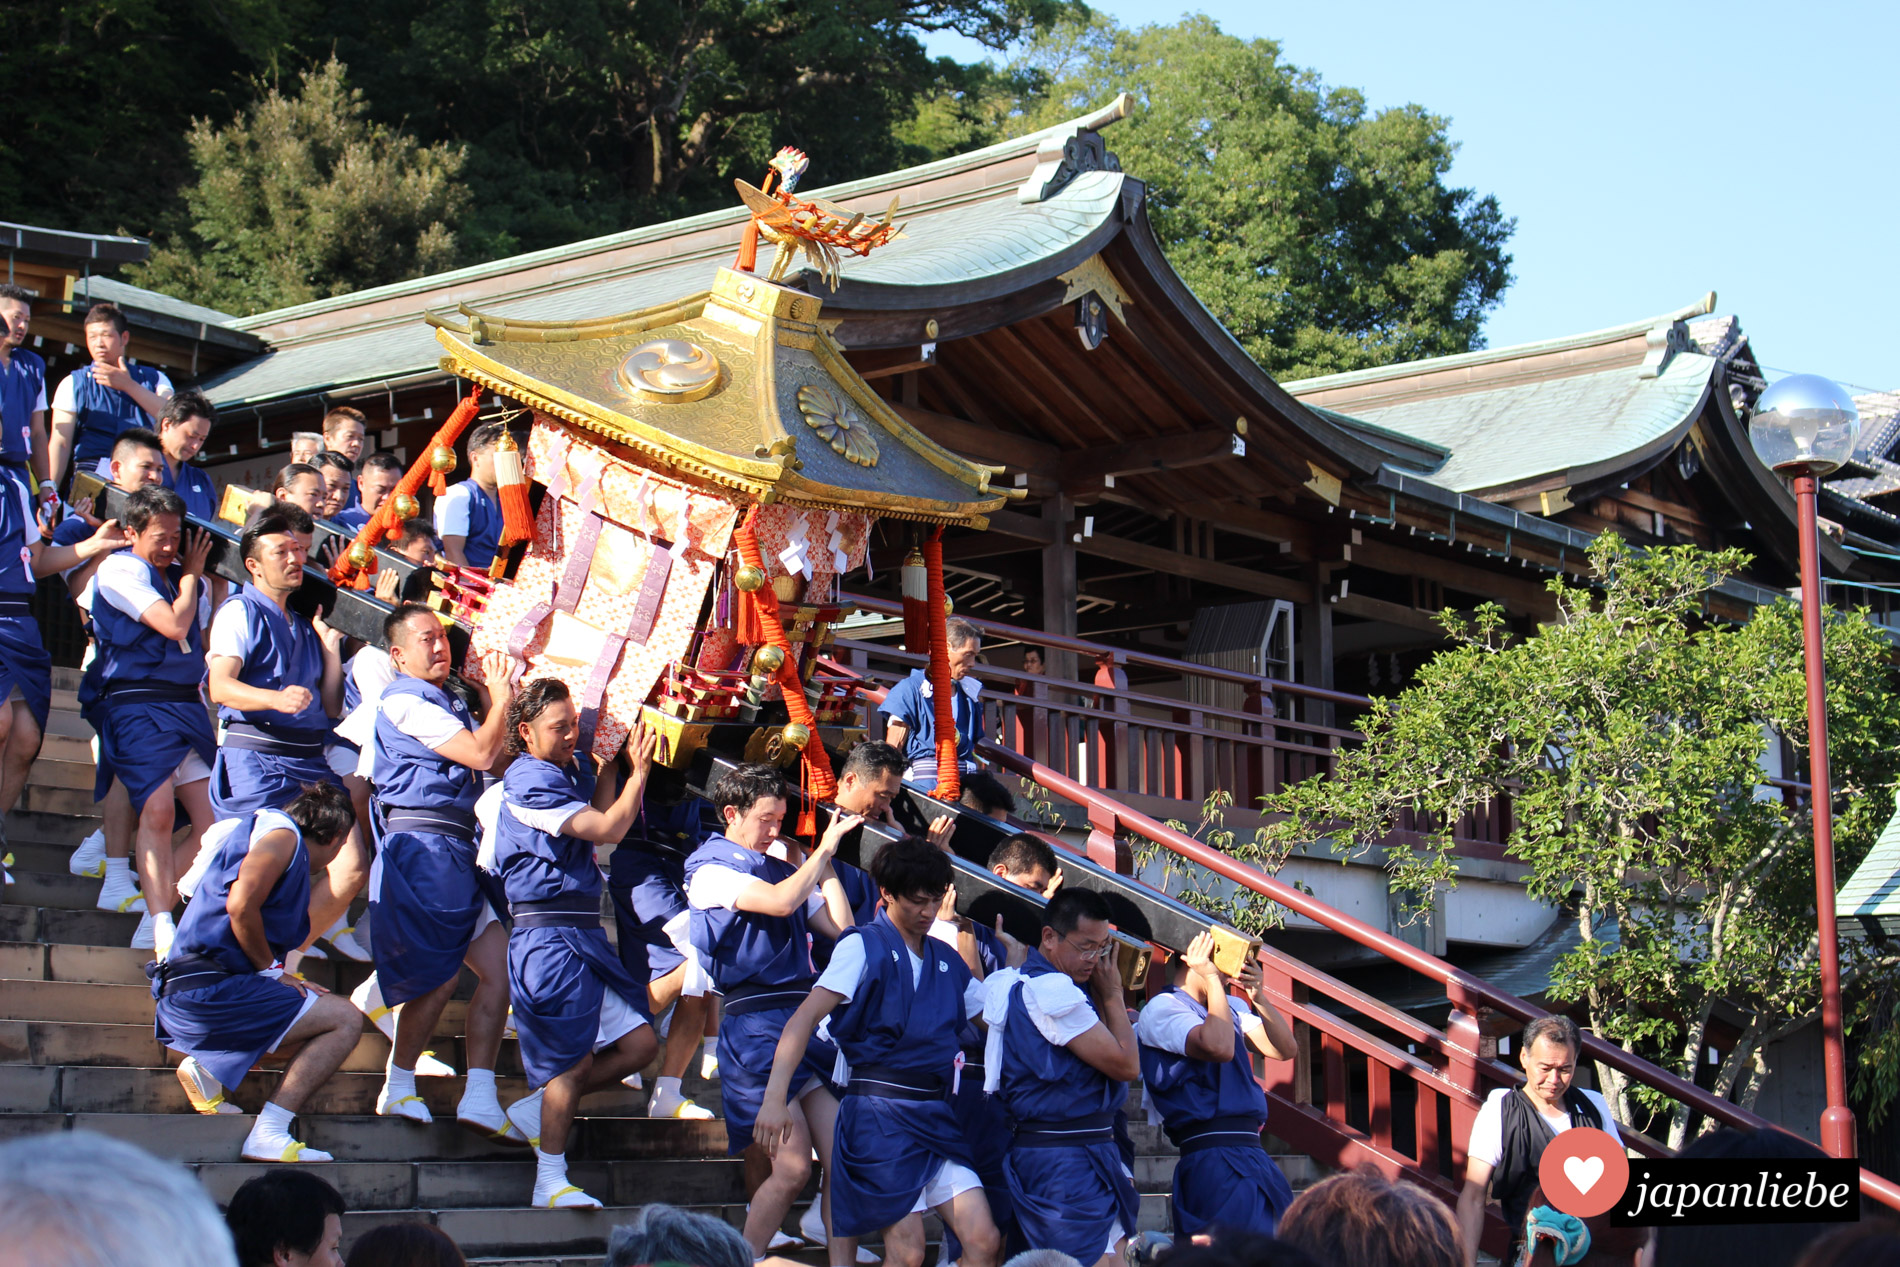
[{"x": 1352, "y": 1096}]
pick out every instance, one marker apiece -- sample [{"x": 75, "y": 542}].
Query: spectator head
[
  {"x": 1042, "y": 1258},
  {"x": 305, "y": 445},
  {"x": 53, "y": 1216},
  {"x": 324, "y": 815},
  {"x": 912, "y": 876},
  {"x": 1232, "y": 1247},
  {"x": 271, "y": 549},
  {"x": 668, "y": 1234},
  {"x": 16, "y": 313},
  {"x": 985, "y": 794},
  {"x": 1548, "y": 1050},
  {"x": 186, "y": 424},
  {"x": 1869, "y": 1243},
  {"x": 1365, "y": 1219},
  {"x": 339, "y": 480},
  {"x": 344, "y": 430},
  {"x": 872, "y": 776},
  {"x": 1026, "y": 861},
  {"x": 1076, "y": 932},
  {"x": 1759, "y": 1244},
  {"x": 751, "y": 800},
  {"x": 481, "y": 452},
  {"x": 418, "y": 644},
  {"x": 964, "y": 642},
  {"x": 107, "y": 333},
  {"x": 286, "y": 1216},
  {"x": 137, "y": 460},
  {"x": 418, "y": 543},
  {"x": 405, "y": 1245},
  {"x": 543, "y": 722},
  {"x": 302, "y": 486},
  {"x": 1033, "y": 660},
  {"x": 378, "y": 476},
  {"x": 155, "y": 518}
]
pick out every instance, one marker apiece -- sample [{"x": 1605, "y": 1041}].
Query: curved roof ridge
[
  {"x": 1484, "y": 356},
  {"x": 1028, "y": 143}
]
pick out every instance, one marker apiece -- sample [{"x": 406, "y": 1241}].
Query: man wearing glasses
[{"x": 1060, "y": 1054}]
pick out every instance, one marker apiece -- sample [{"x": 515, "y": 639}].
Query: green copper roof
[
  {"x": 1584, "y": 424},
  {"x": 1872, "y": 893}
]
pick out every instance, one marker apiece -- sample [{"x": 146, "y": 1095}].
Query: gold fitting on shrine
[
  {"x": 359, "y": 554},
  {"x": 768, "y": 660},
  {"x": 442, "y": 460},
  {"x": 748, "y": 578},
  {"x": 795, "y": 736},
  {"x": 949, "y": 605},
  {"x": 407, "y": 507}
]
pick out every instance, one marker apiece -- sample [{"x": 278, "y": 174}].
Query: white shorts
[
  {"x": 191, "y": 770},
  {"x": 618, "y": 1018},
  {"x": 309, "y": 1001},
  {"x": 949, "y": 1182}
]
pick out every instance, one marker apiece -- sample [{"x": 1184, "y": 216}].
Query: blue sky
[{"x": 1649, "y": 152}]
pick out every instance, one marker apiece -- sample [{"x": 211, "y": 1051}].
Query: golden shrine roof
[{"x": 740, "y": 387}]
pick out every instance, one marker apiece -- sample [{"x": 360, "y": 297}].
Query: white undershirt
[
  {"x": 1167, "y": 1021},
  {"x": 425, "y": 721},
  {"x": 1487, "y": 1129},
  {"x": 717, "y": 888},
  {"x": 63, "y": 394}
]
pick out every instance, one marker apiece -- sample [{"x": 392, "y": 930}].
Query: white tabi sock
[
  {"x": 270, "y": 1139},
  {"x": 478, "y": 1103},
  {"x": 117, "y": 866},
  {"x": 401, "y": 1081},
  {"x": 667, "y": 1087}
]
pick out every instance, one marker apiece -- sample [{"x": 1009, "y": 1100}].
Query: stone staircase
[{"x": 77, "y": 1052}]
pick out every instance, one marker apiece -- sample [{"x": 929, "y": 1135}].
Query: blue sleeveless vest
[
  {"x": 409, "y": 774},
  {"x": 484, "y": 527},
  {"x": 194, "y": 486},
  {"x": 893, "y": 1023},
  {"x": 741, "y": 947},
  {"x": 534, "y": 865},
  {"x": 1189, "y": 1091},
  {"x": 285, "y": 652},
  {"x": 205, "y": 928},
  {"x": 105, "y": 413},
  {"x": 132, "y": 655},
  {"x": 1042, "y": 1082},
  {"x": 17, "y": 529},
  {"x": 21, "y": 383}
]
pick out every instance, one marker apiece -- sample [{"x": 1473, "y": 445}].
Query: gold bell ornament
[
  {"x": 768, "y": 660},
  {"x": 406, "y": 507},
  {"x": 749, "y": 579},
  {"x": 795, "y": 736}
]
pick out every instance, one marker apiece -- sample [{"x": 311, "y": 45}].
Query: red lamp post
[{"x": 1806, "y": 427}]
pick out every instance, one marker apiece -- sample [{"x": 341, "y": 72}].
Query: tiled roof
[
  {"x": 127, "y": 295},
  {"x": 1873, "y": 891}
]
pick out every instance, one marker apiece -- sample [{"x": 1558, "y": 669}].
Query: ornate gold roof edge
[{"x": 484, "y": 327}]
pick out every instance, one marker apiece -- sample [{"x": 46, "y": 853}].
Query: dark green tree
[
  {"x": 1321, "y": 233},
  {"x": 303, "y": 198}
]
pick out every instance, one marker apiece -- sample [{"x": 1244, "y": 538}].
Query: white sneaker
[
  {"x": 120, "y": 893},
  {"x": 525, "y": 1115},
  {"x": 205, "y": 1092},
  {"x": 427, "y": 1066},
  {"x": 343, "y": 940},
  {"x": 676, "y": 1106},
  {"x": 409, "y": 1106},
  {"x": 90, "y": 858},
  {"x": 144, "y": 937},
  {"x": 368, "y": 999}
]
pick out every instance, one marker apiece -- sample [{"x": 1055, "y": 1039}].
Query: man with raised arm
[
  {"x": 581, "y": 1016},
  {"x": 1198, "y": 1076},
  {"x": 427, "y": 905},
  {"x": 750, "y": 922},
  {"x": 224, "y": 999},
  {"x": 897, "y": 1000},
  {"x": 1061, "y": 1053},
  {"x": 96, "y": 403}
]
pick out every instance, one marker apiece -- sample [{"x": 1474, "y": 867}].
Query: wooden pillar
[
  {"x": 1316, "y": 642},
  {"x": 1059, "y": 586}
]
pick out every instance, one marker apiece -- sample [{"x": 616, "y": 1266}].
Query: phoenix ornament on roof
[{"x": 818, "y": 229}]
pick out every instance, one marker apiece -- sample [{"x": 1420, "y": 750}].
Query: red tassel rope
[
  {"x": 949, "y": 777},
  {"x": 384, "y": 524},
  {"x": 511, "y": 485},
  {"x": 757, "y": 625},
  {"x": 914, "y": 585}
]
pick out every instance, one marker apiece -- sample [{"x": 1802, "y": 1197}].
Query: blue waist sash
[
  {"x": 183, "y": 972},
  {"x": 1095, "y": 1128},
  {"x": 1215, "y": 1132},
  {"x": 885, "y": 1083},
  {"x": 151, "y": 693},
  {"x": 759, "y": 998},
  {"x": 254, "y": 738},
  {"x": 440, "y": 820},
  {"x": 558, "y": 912},
  {"x": 11, "y": 605}
]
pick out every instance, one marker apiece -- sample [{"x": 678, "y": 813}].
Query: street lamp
[{"x": 1805, "y": 427}]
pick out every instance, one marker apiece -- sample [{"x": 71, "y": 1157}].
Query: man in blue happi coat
[
  {"x": 22, "y": 394},
  {"x": 910, "y": 714},
  {"x": 96, "y": 403},
  {"x": 224, "y": 998},
  {"x": 468, "y": 516},
  {"x": 647, "y": 881},
  {"x": 1060, "y": 1053},
  {"x": 143, "y": 688},
  {"x": 183, "y": 428},
  {"x": 430, "y": 908},
  {"x": 1198, "y": 1075},
  {"x": 581, "y": 1017},
  {"x": 898, "y": 1000},
  {"x": 752, "y": 919}
]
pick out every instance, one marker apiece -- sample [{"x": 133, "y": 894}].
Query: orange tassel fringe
[
  {"x": 511, "y": 487},
  {"x": 949, "y": 777},
  {"x": 757, "y": 625},
  {"x": 384, "y": 524}
]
